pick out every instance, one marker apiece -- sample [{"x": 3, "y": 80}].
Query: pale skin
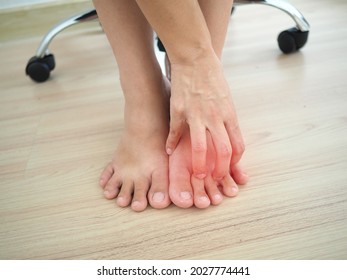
[{"x": 197, "y": 126}]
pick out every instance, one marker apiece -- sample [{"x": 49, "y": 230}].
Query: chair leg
[
  {"x": 292, "y": 39},
  {"x": 40, "y": 65},
  {"x": 286, "y": 7}
]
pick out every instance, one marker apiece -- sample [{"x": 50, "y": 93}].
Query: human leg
[
  {"x": 185, "y": 190},
  {"x": 138, "y": 173}
]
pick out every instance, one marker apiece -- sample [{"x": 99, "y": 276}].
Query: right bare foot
[
  {"x": 187, "y": 190},
  {"x": 138, "y": 173}
]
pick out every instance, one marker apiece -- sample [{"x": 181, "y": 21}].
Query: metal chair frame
[{"x": 40, "y": 65}]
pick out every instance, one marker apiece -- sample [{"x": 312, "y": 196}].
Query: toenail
[
  {"x": 217, "y": 197},
  {"x": 186, "y": 195},
  {"x": 203, "y": 198},
  {"x": 245, "y": 176},
  {"x": 136, "y": 204},
  {"x": 106, "y": 193},
  {"x": 158, "y": 197},
  {"x": 200, "y": 176},
  {"x": 121, "y": 200},
  {"x": 102, "y": 182},
  {"x": 234, "y": 189}
]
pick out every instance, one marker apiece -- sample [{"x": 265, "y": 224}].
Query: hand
[{"x": 200, "y": 98}]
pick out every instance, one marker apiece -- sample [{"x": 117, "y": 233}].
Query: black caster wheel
[
  {"x": 233, "y": 10},
  {"x": 39, "y": 68},
  {"x": 291, "y": 40}
]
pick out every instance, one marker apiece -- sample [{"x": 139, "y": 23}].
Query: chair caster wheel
[
  {"x": 291, "y": 40},
  {"x": 39, "y": 68}
]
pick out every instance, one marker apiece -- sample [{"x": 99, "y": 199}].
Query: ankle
[{"x": 139, "y": 76}]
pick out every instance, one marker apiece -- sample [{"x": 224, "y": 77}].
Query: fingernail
[
  {"x": 186, "y": 195},
  {"x": 158, "y": 197},
  {"x": 169, "y": 151}
]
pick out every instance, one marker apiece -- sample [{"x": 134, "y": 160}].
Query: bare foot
[
  {"x": 138, "y": 173},
  {"x": 187, "y": 190}
]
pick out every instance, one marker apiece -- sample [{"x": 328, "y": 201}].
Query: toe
[
  {"x": 201, "y": 199},
  {"x": 158, "y": 195},
  {"x": 213, "y": 192},
  {"x": 139, "y": 202},
  {"x": 180, "y": 165},
  {"x": 106, "y": 175},
  {"x": 111, "y": 189},
  {"x": 125, "y": 194},
  {"x": 239, "y": 175},
  {"x": 180, "y": 190},
  {"x": 229, "y": 186}
]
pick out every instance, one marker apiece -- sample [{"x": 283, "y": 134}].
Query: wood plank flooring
[{"x": 56, "y": 137}]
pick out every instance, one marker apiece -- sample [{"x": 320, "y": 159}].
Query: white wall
[{"x": 7, "y": 4}]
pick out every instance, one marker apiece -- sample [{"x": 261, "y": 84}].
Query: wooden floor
[{"x": 56, "y": 137}]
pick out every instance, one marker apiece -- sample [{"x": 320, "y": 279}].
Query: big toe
[
  {"x": 180, "y": 189},
  {"x": 158, "y": 195}
]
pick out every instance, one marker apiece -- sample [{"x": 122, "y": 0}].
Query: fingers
[
  {"x": 199, "y": 150},
  {"x": 177, "y": 126},
  {"x": 237, "y": 143},
  {"x": 222, "y": 146}
]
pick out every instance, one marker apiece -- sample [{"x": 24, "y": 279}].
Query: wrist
[
  {"x": 197, "y": 56},
  {"x": 190, "y": 52}
]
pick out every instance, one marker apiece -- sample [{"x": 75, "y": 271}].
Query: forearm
[{"x": 181, "y": 26}]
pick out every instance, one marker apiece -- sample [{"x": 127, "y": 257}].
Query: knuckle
[
  {"x": 218, "y": 174},
  {"x": 235, "y": 128},
  {"x": 199, "y": 170},
  {"x": 239, "y": 148},
  {"x": 199, "y": 147},
  {"x": 177, "y": 109},
  {"x": 238, "y": 151},
  {"x": 225, "y": 150}
]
